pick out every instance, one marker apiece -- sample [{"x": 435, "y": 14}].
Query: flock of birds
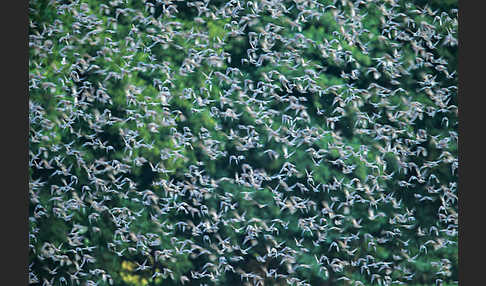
[{"x": 115, "y": 89}]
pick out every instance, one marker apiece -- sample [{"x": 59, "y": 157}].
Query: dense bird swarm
[{"x": 243, "y": 142}]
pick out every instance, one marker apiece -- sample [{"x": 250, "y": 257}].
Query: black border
[
  {"x": 15, "y": 118},
  {"x": 470, "y": 73}
]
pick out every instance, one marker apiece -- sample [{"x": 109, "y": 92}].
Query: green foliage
[{"x": 160, "y": 136}]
